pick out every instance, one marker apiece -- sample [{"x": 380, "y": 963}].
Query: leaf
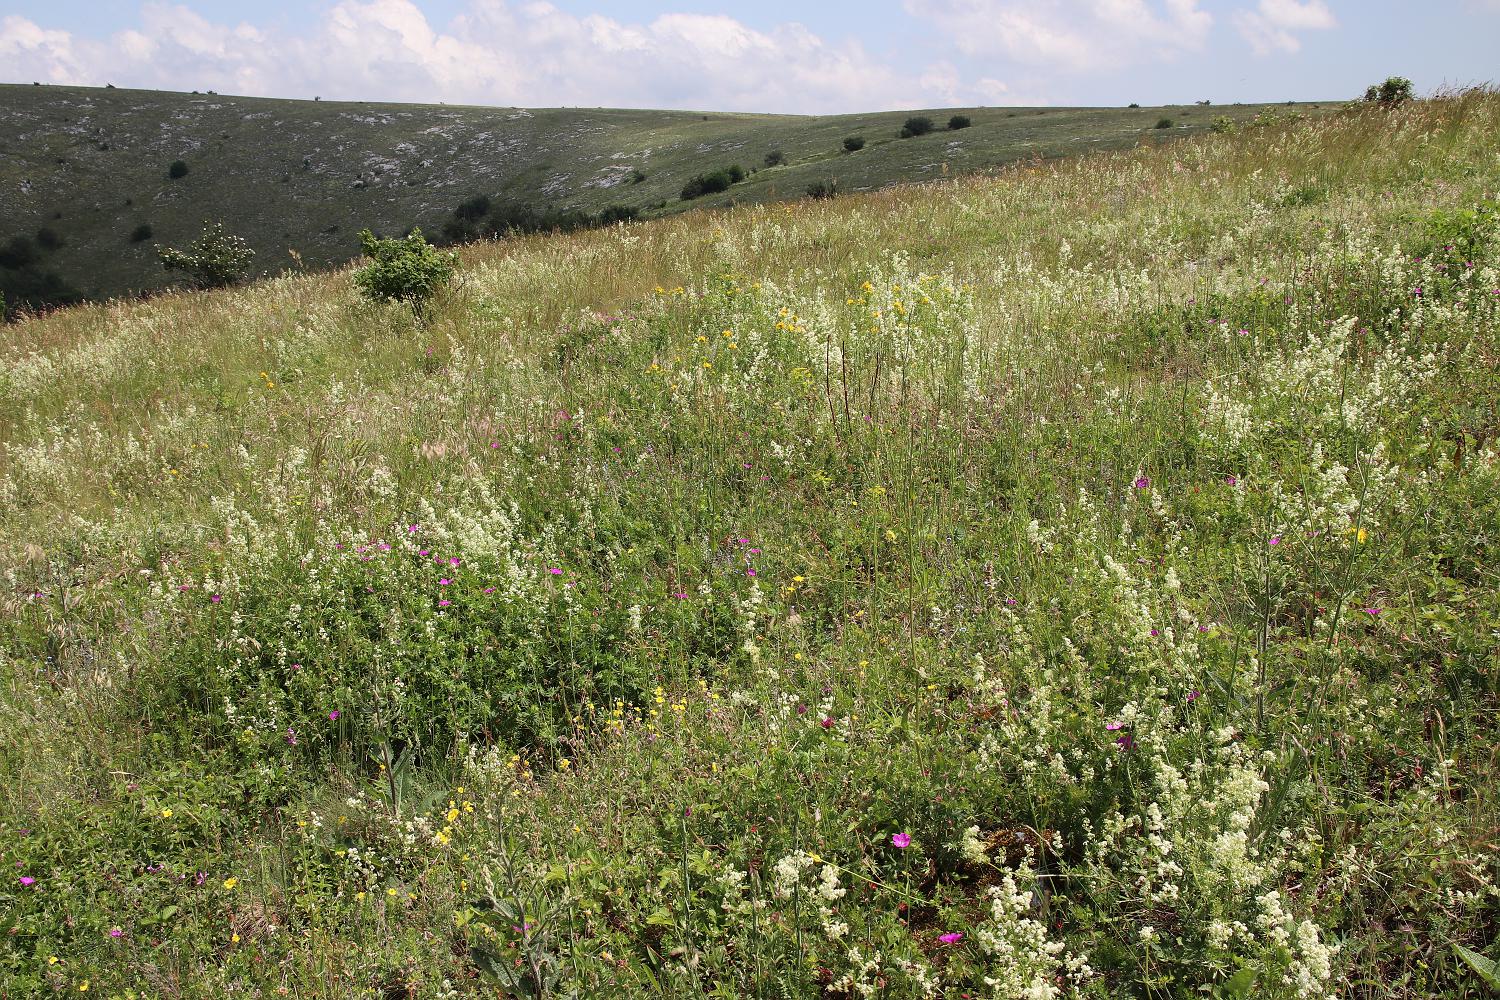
[
  {"x": 1486, "y": 968},
  {"x": 1238, "y": 985}
]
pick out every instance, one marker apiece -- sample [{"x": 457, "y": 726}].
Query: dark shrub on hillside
[
  {"x": 959, "y": 121},
  {"x": 916, "y": 125},
  {"x": 1395, "y": 90},
  {"x": 408, "y": 270},
  {"x": 473, "y": 209},
  {"x": 617, "y": 213},
  {"x": 775, "y": 158},
  {"x": 48, "y": 239},
  {"x": 854, "y": 144},
  {"x": 29, "y": 289},
  {"x": 1133, "y": 104},
  {"x": 18, "y": 253},
  {"x": 178, "y": 169},
  {"x": 1164, "y": 123},
  {"x": 141, "y": 233},
  {"x": 823, "y": 189},
  {"x": 712, "y": 182},
  {"x": 637, "y": 175}
]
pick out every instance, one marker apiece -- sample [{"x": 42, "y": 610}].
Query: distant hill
[{"x": 87, "y": 185}]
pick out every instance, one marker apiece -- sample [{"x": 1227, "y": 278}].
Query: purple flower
[
  {"x": 952, "y": 937},
  {"x": 444, "y": 603},
  {"x": 1154, "y": 633},
  {"x": 412, "y": 529},
  {"x": 444, "y": 582},
  {"x": 1126, "y": 742},
  {"x": 901, "y": 840},
  {"x": 1372, "y": 612},
  {"x": 1143, "y": 482},
  {"x": 554, "y": 571},
  {"x": 680, "y": 595},
  {"x": 216, "y": 598},
  {"x": 27, "y": 880},
  {"x": 1275, "y": 539},
  {"x": 116, "y": 932},
  {"x": 333, "y": 716},
  {"x": 1112, "y": 726},
  {"x": 1194, "y": 695},
  {"x": 1231, "y": 481},
  {"x": 826, "y": 722}
]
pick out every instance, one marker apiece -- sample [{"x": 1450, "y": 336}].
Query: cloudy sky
[{"x": 810, "y": 56}]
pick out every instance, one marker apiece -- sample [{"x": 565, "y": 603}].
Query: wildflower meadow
[{"x": 1076, "y": 581}]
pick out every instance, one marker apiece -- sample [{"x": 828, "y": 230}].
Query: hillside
[
  {"x": 84, "y": 173},
  {"x": 1078, "y": 582}
]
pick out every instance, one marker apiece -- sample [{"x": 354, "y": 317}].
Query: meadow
[
  {"x": 1077, "y": 581},
  {"x": 93, "y": 181}
]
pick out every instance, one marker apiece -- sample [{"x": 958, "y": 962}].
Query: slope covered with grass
[
  {"x": 93, "y": 181},
  {"x": 1078, "y": 582}
]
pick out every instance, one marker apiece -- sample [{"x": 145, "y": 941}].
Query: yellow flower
[
  {"x": 166, "y": 814},
  {"x": 231, "y": 882},
  {"x": 1360, "y": 536},
  {"x": 564, "y": 764},
  {"x": 234, "y": 939},
  {"x": 83, "y": 987}
]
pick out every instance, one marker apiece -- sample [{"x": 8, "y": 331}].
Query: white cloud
[
  {"x": 495, "y": 52},
  {"x": 1269, "y": 27},
  {"x": 1074, "y": 35}
]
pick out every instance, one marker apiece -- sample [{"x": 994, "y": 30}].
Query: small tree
[
  {"x": 854, "y": 144},
  {"x": 1164, "y": 123},
  {"x": 141, "y": 233},
  {"x": 958, "y": 121},
  {"x": 177, "y": 170},
  {"x": 824, "y": 189},
  {"x": 407, "y": 269},
  {"x": 775, "y": 158},
  {"x": 1395, "y": 90},
  {"x": 916, "y": 125},
  {"x": 215, "y": 259}
]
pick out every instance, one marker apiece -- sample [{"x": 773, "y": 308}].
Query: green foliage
[
  {"x": 1164, "y": 123},
  {"x": 775, "y": 158},
  {"x": 142, "y": 233},
  {"x": 18, "y": 253},
  {"x": 1224, "y": 125},
  {"x": 916, "y": 125},
  {"x": 854, "y": 143},
  {"x": 48, "y": 238},
  {"x": 712, "y": 182},
  {"x": 824, "y": 189},
  {"x": 408, "y": 270},
  {"x": 1393, "y": 91},
  {"x": 959, "y": 121},
  {"x": 216, "y": 259},
  {"x": 178, "y": 170}
]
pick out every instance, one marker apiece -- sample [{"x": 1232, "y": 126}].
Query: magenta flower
[
  {"x": 455, "y": 561},
  {"x": 749, "y": 572},
  {"x": 1275, "y": 539},
  {"x": 489, "y": 590},
  {"x": 901, "y": 840},
  {"x": 444, "y": 582},
  {"x": 27, "y": 880},
  {"x": 1112, "y": 726},
  {"x": 1143, "y": 482},
  {"x": 952, "y": 937},
  {"x": 291, "y": 737},
  {"x": 216, "y": 598},
  {"x": 680, "y": 595},
  {"x": 444, "y": 603},
  {"x": 554, "y": 571},
  {"x": 1372, "y": 612},
  {"x": 1231, "y": 481},
  {"x": 1194, "y": 695},
  {"x": 116, "y": 932},
  {"x": 1126, "y": 742},
  {"x": 412, "y": 529},
  {"x": 826, "y": 722},
  {"x": 333, "y": 716}
]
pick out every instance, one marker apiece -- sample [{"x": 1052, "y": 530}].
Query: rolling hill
[{"x": 87, "y": 192}]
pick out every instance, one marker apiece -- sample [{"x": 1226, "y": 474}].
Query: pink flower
[
  {"x": 27, "y": 880},
  {"x": 554, "y": 571},
  {"x": 489, "y": 590},
  {"x": 826, "y": 722},
  {"x": 901, "y": 840},
  {"x": 333, "y": 716},
  {"x": 116, "y": 932},
  {"x": 444, "y": 582},
  {"x": 455, "y": 561},
  {"x": 1275, "y": 539},
  {"x": 1194, "y": 695},
  {"x": 412, "y": 529},
  {"x": 216, "y": 598},
  {"x": 1143, "y": 482},
  {"x": 749, "y": 572},
  {"x": 1112, "y": 726},
  {"x": 1372, "y": 612},
  {"x": 1231, "y": 481},
  {"x": 444, "y": 603},
  {"x": 952, "y": 937}
]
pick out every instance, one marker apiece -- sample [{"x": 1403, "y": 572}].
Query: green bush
[
  {"x": 48, "y": 239},
  {"x": 1164, "y": 123},
  {"x": 1395, "y": 90},
  {"x": 18, "y": 253},
  {"x": 958, "y": 121},
  {"x": 408, "y": 270},
  {"x": 141, "y": 233},
  {"x": 854, "y": 144},
  {"x": 215, "y": 259},
  {"x": 617, "y": 213},
  {"x": 823, "y": 189},
  {"x": 177, "y": 170},
  {"x": 775, "y": 158},
  {"x": 712, "y": 182},
  {"x": 916, "y": 125},
  {"x": 1224, "y": 125}
]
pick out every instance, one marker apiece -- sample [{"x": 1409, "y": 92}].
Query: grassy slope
[
  {"x": 1075, "y": 517},
  {"x": 307, "y": 176}
]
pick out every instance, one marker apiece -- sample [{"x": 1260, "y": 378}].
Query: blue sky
[{"x": 771, "y": 55}]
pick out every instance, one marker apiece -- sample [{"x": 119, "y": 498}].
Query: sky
[{"x": 782, "y": 56}]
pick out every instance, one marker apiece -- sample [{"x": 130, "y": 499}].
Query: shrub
[
  {"x": 617, "y": 213},
  {"x": 214, "y": 260},
  {"x": 48, "y": 239},
  {"x": 1395, "y": 90},
  {"x": 775, "y": 158},
  {"x": 854, "y": 144},
  {"x": 18, "y": 253},
  {"x": 916, "y": 125},
  {"x": 823, "y": 189},
  {"x": 473, "y": 209},
  {"x": 712, "y": 182},
  {"x": 141, "y": 233},
  {"x": 1133, "y": 104},
  {"x": 178, "y": 169},
  {"x": 1224, "y": 125},
  {"x": 408, "y": 270},
  {"x": 958, "y": 121},
  {"x": 637, "y": 175},
  {"x": 1164, "y": 123}
]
